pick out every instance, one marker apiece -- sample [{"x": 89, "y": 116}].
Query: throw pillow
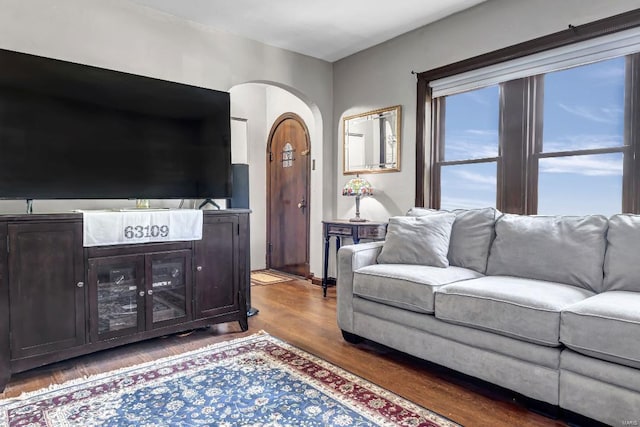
[
  {"x": 471, "y": 235},
  {"x": 418, "y": 240}
]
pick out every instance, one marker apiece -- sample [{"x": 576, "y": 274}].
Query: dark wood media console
[{"x": 59, "y": 300}]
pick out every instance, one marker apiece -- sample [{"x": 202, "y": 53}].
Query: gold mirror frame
[{"x": 359, "y": 140}]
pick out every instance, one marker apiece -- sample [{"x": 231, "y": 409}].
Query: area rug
[
  {"x": 268, "y": 278},
  {"x": 253, "y": 381}
]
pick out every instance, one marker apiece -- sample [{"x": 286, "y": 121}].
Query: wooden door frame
[{"x": 275, "y": 125}]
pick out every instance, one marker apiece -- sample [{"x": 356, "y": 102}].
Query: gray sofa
[{"x": 546, "y": 306}]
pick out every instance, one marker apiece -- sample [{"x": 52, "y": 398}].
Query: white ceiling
[{"x": 324, "y": 29}]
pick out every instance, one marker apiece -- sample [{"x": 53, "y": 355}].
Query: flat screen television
[{"x": 71, "y": 131}]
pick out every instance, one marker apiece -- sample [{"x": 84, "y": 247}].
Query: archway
[{"x": 260, "y": 104}]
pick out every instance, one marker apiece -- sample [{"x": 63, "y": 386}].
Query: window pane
[
  {"x": 584, "y": 107},
  {"x": 471, "y": 124},
  {"x": 580, "y": 185},
  {"x": 468, "y": 186}
]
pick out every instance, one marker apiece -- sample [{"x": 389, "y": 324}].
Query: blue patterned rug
[{"x": 253, "y": 381}]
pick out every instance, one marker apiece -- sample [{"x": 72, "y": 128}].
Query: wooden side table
[{"x": 339, "y": 228}]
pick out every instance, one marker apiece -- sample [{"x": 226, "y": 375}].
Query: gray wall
[{"x": 380, "y": 76}]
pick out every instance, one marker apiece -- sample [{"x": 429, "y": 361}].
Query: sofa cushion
[
  {"x": 471, "y": 236},
  {"x": 498, "y": 344},
  {"x": 621, "y": 266},
  {"x": 560, "y": 249},
  {"x": 410, "y": 287},
  {"x": 525, "y": 309},
  {"x": 606, "y": 326},
  {"x": 418, "y": 240}
]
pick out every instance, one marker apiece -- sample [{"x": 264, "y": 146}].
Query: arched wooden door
[{"x": 288, "y": 169}]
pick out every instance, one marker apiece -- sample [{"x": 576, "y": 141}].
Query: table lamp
[{"x": 357, "y": 187}]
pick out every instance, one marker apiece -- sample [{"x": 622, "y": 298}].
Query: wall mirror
[{"x": 371, "y": 141}]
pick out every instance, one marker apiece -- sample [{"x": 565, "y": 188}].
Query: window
[
  {"x": 568, "y": 134},
  {"x": 583, "y": 111},
  {"x": 468, "y": 161},
  {"x": 468, "y": 185},
  {"x": 550, "y": 144},
  {"x": 580, "y": 185},
  {"x": 287, "y": 155}
]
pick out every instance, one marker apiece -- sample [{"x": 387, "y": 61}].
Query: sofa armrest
[{"x": 351, "y": 258}]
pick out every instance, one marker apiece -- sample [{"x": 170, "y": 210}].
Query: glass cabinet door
[
  {"x": 119, "y": 297},
  {"x": 169, "y": 290}
]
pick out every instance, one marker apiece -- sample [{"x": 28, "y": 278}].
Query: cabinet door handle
[
  {"x": 149, "y": 292},
  {"x": 141, "y": 293},
  {"x": 199, "y": 268},
  {"x": 80, "y": 284}
]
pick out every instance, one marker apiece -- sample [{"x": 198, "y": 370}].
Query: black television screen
[{"x": 71, "y": 131}]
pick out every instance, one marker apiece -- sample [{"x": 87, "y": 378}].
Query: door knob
[
  {"x": 302, "y": 204},
  {"x": 141, "y": 293},
  {"x": 80, "y": 284}
]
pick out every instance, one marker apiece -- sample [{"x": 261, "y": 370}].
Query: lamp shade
[{"x": 357, "y": 187}]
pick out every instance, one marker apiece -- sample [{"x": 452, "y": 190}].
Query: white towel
[{"x": 140, "y": 226}]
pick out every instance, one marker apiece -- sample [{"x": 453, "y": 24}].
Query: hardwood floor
[{"x": 296, "y": 312}]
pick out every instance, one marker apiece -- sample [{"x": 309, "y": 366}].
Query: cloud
[
  {"x": 465, "y": 203},
  {"x": 582, "y": 165},
  {"x": 477, "y": 178},
  {"x": 608, "y": 115},
  {"x": 612, "y": 72},
  {"x": 583, "y": 142},
  {"x": 471, "y": 144},
  {"x": 476, "y": 182},
  {"x": 483, "y": 132}
]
